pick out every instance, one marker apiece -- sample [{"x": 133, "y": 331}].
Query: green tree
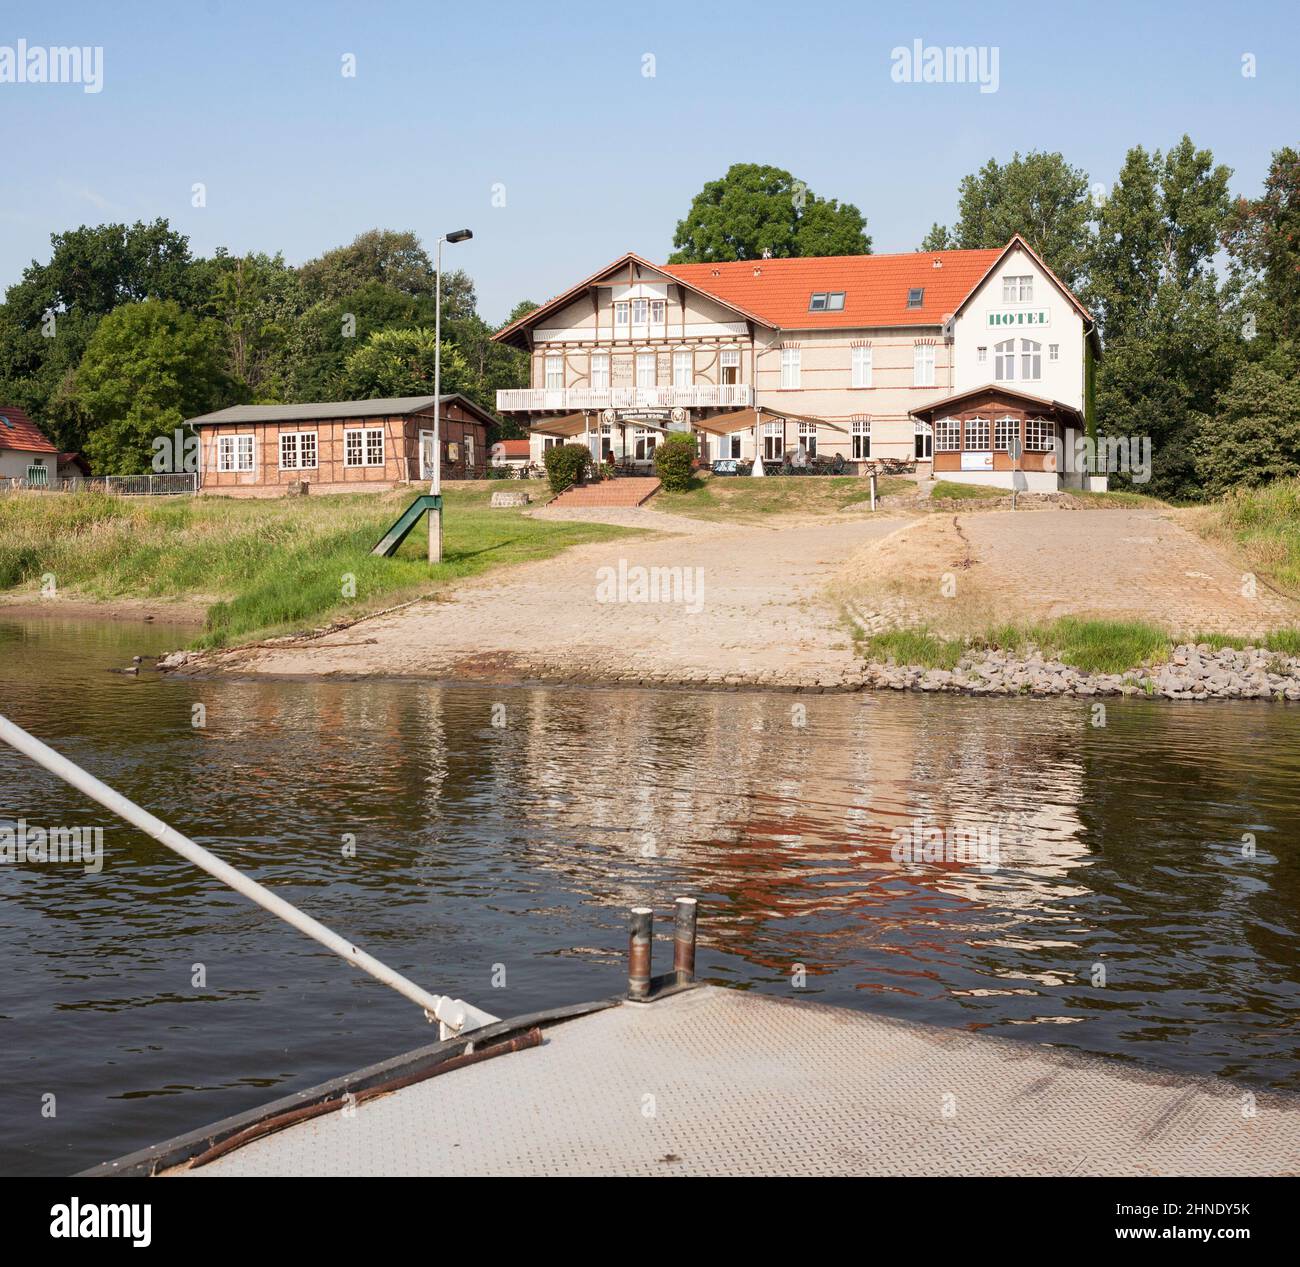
[
  {"x": 1263, "y": 235},
  {"x": 1171, "y": 343},
  {"x": 1040, "y": 196},
  {"x": 401, "y": 363},
  {"x": 394, "y": 259},
  {"x": 1252, "y": 436},
  {"x": 755, "y": 211},
  {"x": 147, "y": 366}
]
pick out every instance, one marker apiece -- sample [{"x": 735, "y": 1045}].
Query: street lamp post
[{"x": 435, "y": 515}]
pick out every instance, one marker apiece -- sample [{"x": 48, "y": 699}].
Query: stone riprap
[{"x": 1194, "y": 671}]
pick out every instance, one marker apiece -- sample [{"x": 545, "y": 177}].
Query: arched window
[
  {"x": 1031, "y": 359},
  {"x": 1004, "y": 361}
]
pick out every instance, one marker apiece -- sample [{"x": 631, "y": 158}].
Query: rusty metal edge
[{"x": 148, "y": 1162}]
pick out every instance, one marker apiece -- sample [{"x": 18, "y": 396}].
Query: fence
[{"x": 169, "y": 485}]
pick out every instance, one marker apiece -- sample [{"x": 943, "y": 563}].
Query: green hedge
[
  {"x": 673, "y": 458},
  {"x": 566, "y": 465}
]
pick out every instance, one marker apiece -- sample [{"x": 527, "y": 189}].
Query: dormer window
[
  {"x": 826, "y": 301},
  {"x": 916, "y": 297}
]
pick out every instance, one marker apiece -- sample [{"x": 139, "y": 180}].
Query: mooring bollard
[
  {"x": 641, "y": 933},
  {"x": 684, "y": 940}
]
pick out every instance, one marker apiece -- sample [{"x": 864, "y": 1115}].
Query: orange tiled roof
[
  {"x": 875, "y": 286},
  {"x": 18, "y": 431},
  {"x": 513, "y": 448}
]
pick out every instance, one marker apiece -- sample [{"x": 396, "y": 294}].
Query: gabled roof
[
  {"x": 875, "y": 287},
  {"x": 1018, "y": 241},
  {"x": 18, "y": 431},
  {"x": 1006, "y": 391},
  {"x": 516, "y": 332},
  {"x": 392, "y": 407}
]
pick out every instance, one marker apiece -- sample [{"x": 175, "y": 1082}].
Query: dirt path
[
  {"x": 746, "y": 604},
  {"x": 1042, "y": 564}
]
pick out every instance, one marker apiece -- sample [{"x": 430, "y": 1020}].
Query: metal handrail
[{"x": 453, "y": 1015}]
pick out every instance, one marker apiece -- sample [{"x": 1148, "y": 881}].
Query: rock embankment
[{"x": 1194, "y": 671}]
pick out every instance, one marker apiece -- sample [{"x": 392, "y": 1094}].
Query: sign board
[
  {"x": 1014, "y": 318},
  {"x": 978, "y": 461}
]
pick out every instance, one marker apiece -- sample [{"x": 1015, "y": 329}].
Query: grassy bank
[
  {"x": 1091, "y": 646},
  {"x": 261, "y": 566},
  {"x": 743, "y": 499},
  {"x": 1263, "y": 524}
]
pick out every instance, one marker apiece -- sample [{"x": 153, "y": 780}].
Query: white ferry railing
[{"x": 454, "y": 1016}]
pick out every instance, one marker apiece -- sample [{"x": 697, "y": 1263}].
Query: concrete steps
[{"x": 624, "y": 491}]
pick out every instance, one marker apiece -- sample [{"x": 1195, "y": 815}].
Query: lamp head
[{"x": 460, "y": 235}]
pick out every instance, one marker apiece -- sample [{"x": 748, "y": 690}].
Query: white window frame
[
  {"x": 644, "y": 360},
  {"x": 297, "y": 451},
  {"x": 923, "y": 443},
  {"x": 808, "y": 438},
  {"x": 729, "y": 359},
  {"x": 622, "y": 313},
  {"x": 1053, "y": 351},
  {"x": 600, "y": 371},
  {"x": 235, "y": 453},
  {"x": 554, "y": 372},
  {"x": 923, "y": 359},
  {"x": 683, "y": 369},
  {"x": 1018, "y": 288},
  {"x": 469, "y": 451},
  {"x": 640, "y": 312},
  {"x": 861, "y": 439},
  {"x": 982, "y": 355},
  {"x": 1040, "y": 435},
  {"x": 863, "y": 369},
  {"x": 1031, "y": 361},
  {"x": 981, "y": 441},
  {"x": 1004, "y": 361},
  {"x": 644, "y": 440},
  {"x": 773, "y": 431},
  {"x": 1004, "y": 431},
  {"x": 947, "y": 435},
  {"x": 791, "y": 368},
  {"x": 365, "y": 447},
  {"x": 658, "y": 311}
]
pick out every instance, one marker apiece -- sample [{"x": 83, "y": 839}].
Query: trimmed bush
[
  {"x": 673, "y": 458},
  {"x": 566, "y": 465}
]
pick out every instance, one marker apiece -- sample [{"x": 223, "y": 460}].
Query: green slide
[{"x": 407, "y": 520}]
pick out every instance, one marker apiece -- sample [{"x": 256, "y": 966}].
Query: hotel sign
[{"x": 1002, "y": 318}]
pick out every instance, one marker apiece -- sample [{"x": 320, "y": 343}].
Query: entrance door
[
  {"x": 924, "y": 442},
  {"x": 426, "y": 455}
]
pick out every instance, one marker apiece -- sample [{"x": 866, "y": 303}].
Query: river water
[{"x": 488, "y": 841}]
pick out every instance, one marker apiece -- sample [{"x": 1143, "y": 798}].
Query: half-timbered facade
[
  {"x": 339, "y": 446},
  {"x": 795, "y": 358}
]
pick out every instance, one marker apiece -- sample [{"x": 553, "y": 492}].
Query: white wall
[
  {"x": 14, "y": 463},
  {"x": 1062, "y": 379}
]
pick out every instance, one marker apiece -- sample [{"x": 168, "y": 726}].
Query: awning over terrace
[{"x": 747, "y": 419}]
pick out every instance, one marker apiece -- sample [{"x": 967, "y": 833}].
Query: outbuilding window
[
  {"x": 1004, "y": 431},
  {"x": 297, "y": 450},
  {"x": 234, "y": 453},
  {"x": 363, "y": 447}
]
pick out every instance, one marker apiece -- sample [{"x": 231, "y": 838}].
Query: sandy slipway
[{"x": 765, "y": 613}]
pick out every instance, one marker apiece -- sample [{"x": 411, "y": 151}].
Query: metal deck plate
[{"x": 719, "y": 1082}]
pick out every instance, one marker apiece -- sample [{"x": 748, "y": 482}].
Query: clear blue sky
[{"x": 550, "y": 101}]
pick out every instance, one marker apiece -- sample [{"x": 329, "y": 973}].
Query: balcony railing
[{"x": 709, "y": 396}]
